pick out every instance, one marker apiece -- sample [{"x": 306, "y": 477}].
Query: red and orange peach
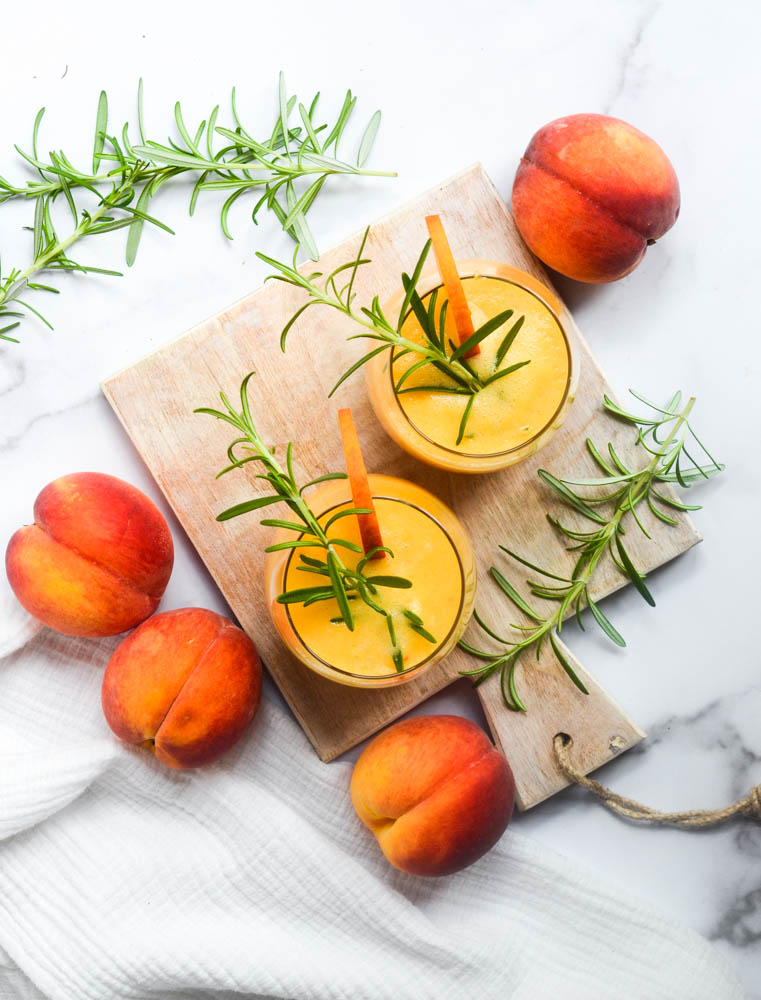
[
  {"x": 435, "y": 792},
  {"x": 97, "y": 558},
  {"x": 591, "y": 193},
  {"x": 185, "y": 684}
]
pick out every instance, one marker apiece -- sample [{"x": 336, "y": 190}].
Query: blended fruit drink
[
  {"x": 428, "y": 614},
  {"x": 526, "y": 366}
]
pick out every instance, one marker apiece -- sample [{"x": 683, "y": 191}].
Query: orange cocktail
[
  {"x": 430, "y": 550},
  {"x": 511, "y": 417}
]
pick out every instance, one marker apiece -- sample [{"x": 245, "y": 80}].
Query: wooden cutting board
[{"x": 154, "y": 400}]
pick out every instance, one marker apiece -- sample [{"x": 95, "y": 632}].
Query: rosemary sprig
[
  {"x": 435, "y": 351},
  {"x": 287, "y": 171},
  {"x": 664, "y": 436},
  {"x": 320, "y": 556}
]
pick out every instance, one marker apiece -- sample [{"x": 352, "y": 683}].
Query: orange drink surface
[
  {"x": 430, "y": 549},
  {"x": 513, "y": 416}
]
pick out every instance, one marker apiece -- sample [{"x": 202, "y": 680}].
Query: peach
[
  {"x": 185, "y": 684},
  {"x": 435, "y": 792},
  {"x": 591, "y": 193},
  {"x": 97, "y": 558}
]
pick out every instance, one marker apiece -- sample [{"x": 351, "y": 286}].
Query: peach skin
[
  {"x": 591, "y": 193},
  {"x": 435, "y": 792},
  {"x": 97, "y": 559},
  {"x": 185, "y": 684}
]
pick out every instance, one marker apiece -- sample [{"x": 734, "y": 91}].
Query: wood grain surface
[{"x": 154, "y": 400}]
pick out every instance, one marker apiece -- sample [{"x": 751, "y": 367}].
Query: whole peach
[
  {"x": 97, "y": 558},
  {"x": 435, "y": 792},
  {"x": 185, "y": 684},
  {"x": 591, "y": 193}
]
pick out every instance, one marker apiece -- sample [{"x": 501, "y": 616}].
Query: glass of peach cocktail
[
  {"x": 473, "y": 366},
  {"x": 527, "y": 368},
  {"x": 430, "y": 551}
]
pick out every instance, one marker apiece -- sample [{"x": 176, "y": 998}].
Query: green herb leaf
[
  {"x": 101, "y": 124},
  {"x": 421, "y": 631},
  {"x": 565, "y": 664},
  {"x": 328, "y": 477},
  {"x": 513, "y": 594},
  {"x": 357, "y": 364},
  {"x": 368, "y": 138},
  {"x": 347, "y": 512},
  {"x": 570, "y": 498},
  {"x": 398, "y": 582},
  {"x": 634, "y": 575},
  {"x": 391, "y": 629},
  {"x": 505, "y": 371},
  {"x": 302, "y": 594},
  {"x": 338, "y": 587},
  {"x": 296, "y": 543},
  {"x": 611, "y": 632},
  {"x": 247, "y": 506},
  {"x": 464, "y": 420},
  {"x": 481, "y": 334},
  {"x": 507, "y": 343}
]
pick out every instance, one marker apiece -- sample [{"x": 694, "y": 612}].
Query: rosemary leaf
[
  {"x": 513, "y": 594},
  {"x": 604, "y": 623},
  {"x": 505, "y": 371},
  {"x": 481, "y": 334},
  {"x": 247, "y": 506},
  {"x": 368, "y": 138},
  {"x": 507, "y": 343},
  {"x": 339, "y": 590},
  {"x": 464, "y": 419},
  {"x": 634, "y": 575},
  {"x": 563, "y": 661}
]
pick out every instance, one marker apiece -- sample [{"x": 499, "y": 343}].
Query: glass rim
[
  {"x": 438, "y": 647},
  {"x": 541, "y": 431}
]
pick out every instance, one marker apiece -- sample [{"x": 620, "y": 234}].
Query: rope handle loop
[{"x": 691, "y": 819}]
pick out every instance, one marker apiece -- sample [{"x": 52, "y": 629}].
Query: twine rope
[{"x": 691, "y": 819}]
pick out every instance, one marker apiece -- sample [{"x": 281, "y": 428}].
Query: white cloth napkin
[{"x": 122, "y": 879}]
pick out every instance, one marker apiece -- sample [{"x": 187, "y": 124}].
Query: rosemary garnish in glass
[
  {"x": 664, "y": 436},
  {"x": 435, "y": 351},
  {"x": 287, "y": 171},
  {"x": 318, "y": 552}
]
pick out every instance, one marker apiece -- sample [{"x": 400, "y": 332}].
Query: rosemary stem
[
  {"x": 126, "y": 176},
  {"x": 581, "y": 582},
  {"x": 12, "y": 291},
  {"x": 295, "y": 497},
  {"x": 394, "y": 339},
  {"x": 38, "y": 189},
  {"x": 633, "y": 487},
  {"x": 643, "y": 481},
  {"x": 153, "y": 172}
]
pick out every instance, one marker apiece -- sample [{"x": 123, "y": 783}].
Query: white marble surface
[{"x": 457, "y": 85}]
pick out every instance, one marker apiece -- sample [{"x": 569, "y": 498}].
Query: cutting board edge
[
  {"x": 446, "y": 680},
  {"x": 563, "y": 783},
  {"x": 110, "y": 385}
]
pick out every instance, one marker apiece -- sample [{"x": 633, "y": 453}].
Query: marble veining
[
  {"x": 633, "y": 48},
  {"x": 13, "y": 441}
]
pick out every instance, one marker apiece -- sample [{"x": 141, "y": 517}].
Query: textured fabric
[{"x": 122, "y": 879}]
